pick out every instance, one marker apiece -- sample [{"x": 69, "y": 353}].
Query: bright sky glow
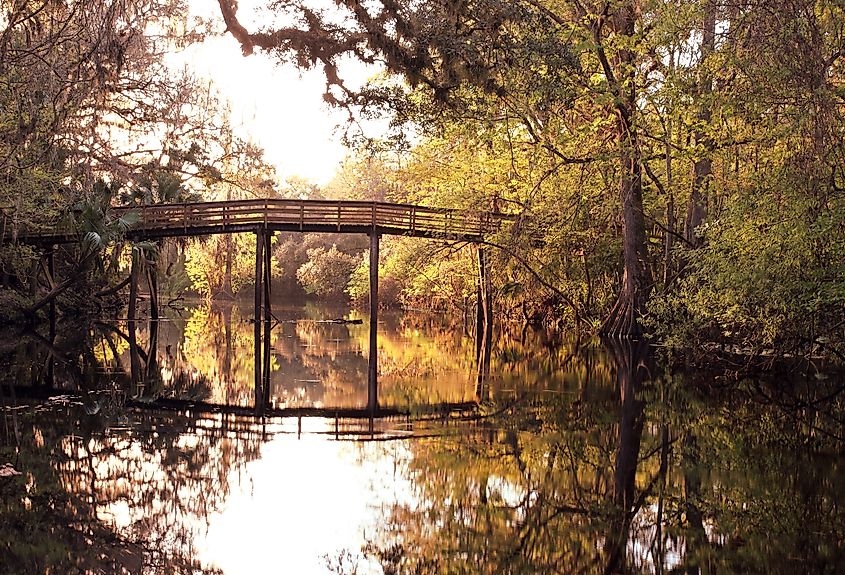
[
  {"x": 276, "y": 106},
  {"x": 304, "y": 500}
]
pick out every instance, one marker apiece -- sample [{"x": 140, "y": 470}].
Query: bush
[{"x": 327, "y": 272}]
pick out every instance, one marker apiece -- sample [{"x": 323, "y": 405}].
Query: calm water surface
[{"x": 573, "y": 457}]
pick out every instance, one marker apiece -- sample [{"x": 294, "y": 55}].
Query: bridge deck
[{"x": 204, "y": 218}]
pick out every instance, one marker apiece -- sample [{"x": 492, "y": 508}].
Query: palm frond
[{"x": 93, "y": 241}]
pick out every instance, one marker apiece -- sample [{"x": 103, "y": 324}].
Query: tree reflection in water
[
  {"x": 115, "y": 492},
  {"x": 315, "y": 362},
  {"x": 584, "y": 457},
  {"x": 639, "y": 473}
]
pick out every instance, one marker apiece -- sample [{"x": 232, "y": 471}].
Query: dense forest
[{"x": 676, "y": 169}]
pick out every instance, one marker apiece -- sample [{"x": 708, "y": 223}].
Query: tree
[
  {"x": 89, "y": 101},
  {"x": 766, "y": 275},
  {"x": 326, "y": 272},
  {"x": 719, "y": 109},
  {"x": 236, "y": 169},
  {"x": 483, "y": 48}
]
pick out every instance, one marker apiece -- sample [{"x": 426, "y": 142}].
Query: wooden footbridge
[
  {"x": 264, "y": 217},
  {"x": 282, "y": 215}
]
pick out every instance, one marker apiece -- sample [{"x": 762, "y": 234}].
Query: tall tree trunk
[
  {"x": 636, "y": 281},
  {"x": 152, "y": 375},
  {"x": 134, "y": 358},
  {"x": 228, "y": 349},
  {"x": 226, "y": 288},
  {"x": 703, "y": 166},
  {"x": 670, "y": 185}
]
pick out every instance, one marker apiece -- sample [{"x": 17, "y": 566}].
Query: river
[{"x": 561, "y": 456}]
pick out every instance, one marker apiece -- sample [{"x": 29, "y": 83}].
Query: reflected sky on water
[
  {"x": 579, "y": 457},
  {"x": 305, "y": 503}
]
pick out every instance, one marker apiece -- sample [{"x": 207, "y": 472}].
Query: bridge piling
[
  {"x": 268, "y": 312},
  {"x": 259, "y": 275},
  {"x": 372, "y": 372},
  {"x": 263, "y": 315},
  {"x": 484, "y": 322}
]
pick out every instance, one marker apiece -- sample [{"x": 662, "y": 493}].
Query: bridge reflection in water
[
  {"x": 586, "y": 459},
  {"x": 199, "y": 358},
  {"x": 318, "y": 359},
  {"x": 265, "y": 217}
]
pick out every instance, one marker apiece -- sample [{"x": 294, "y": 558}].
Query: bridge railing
[{"x": 304, "y": 215}]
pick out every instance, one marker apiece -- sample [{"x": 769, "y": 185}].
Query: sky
[{"x": 276, "y": 106}]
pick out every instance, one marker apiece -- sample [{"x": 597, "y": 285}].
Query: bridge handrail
[{"x": 324, "y": 215}]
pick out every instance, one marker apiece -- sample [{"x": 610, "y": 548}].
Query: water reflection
[
  {"x": 316, "y": 361},
  {"x": 582, "y": 457},
  {"x": 205, "y": 353},
  {"x": 656, "y": 480}
]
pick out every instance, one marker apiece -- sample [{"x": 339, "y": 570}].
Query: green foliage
[
  {"x": 410, "y": 274},
  {"x": 205, "y": 263},
  {"x": 769, "y": 275},
  {"x": 327, "y": 271},
  {"x": 162, "y": 187},
  {"x": 11, "y": 304},
  {"x": 292, "y": 249}
]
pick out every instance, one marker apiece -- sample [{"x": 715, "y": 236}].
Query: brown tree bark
[
  {"x": 703, "y": 166},
  {"x": 623, "y": 319}
]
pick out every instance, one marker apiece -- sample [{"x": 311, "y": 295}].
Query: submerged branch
[{"x": 115, "y": 289}]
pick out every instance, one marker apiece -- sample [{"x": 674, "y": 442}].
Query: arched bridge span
[
  {"x": 264, "y": 217},
  {"x": 277, "y": 215}
]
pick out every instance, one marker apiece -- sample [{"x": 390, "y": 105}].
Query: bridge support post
[
  {"x": 268, "y": 312},
  {"x": 134, "y": 359},
  {"x": 484, "y": 322},
  {"x": 152, "y": 283},
  {"x": 372, "y": 372},
  {"x": 259, "y": 276}
]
